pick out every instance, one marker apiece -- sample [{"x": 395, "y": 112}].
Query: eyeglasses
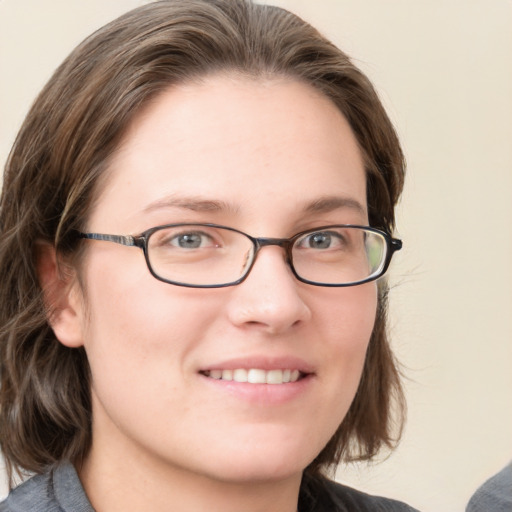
[{"x": 213, "y": 256}]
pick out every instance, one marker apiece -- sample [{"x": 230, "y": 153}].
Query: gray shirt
[
  {"x": 495, "y": 495},
  {"x": 60, "y": 490}
]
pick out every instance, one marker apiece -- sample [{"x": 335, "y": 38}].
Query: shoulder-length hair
[{"x": 64, "y": 146}]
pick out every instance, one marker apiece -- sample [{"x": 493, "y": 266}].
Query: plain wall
[{"x": 444, "y": 70}]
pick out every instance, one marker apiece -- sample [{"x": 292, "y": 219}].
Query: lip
[{"x": 261, "y": 394}]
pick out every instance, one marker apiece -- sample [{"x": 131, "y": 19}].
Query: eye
[
  {"x": 192, "y": 240},
  {"x": 321, "y": 240},
  {"x": 189, "y": 239}
]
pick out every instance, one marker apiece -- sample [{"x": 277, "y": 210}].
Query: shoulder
[
  {"x": 495, "y": 494},
  {"x": 58, "y": 490},
  {"x": 323, "y": 495},
  {"x": 37, "y": 491}
]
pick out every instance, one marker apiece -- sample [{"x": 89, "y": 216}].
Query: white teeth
[
  {"x": 255, "y": 375},
  {"x": 275, "y": 377},
  {"x": 227, "y": 374},
  {"x": 240, "y": 375}
]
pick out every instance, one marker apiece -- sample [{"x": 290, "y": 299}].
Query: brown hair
[{"x": 61, "y": 151}]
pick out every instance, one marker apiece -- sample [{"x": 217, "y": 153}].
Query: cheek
[
  {"x": 351, "y": 316},
  {"x": 139, "y": 343},
  {"x": 136, "y": 324},
  {"x": 347, "y": 319},
  {"x": 350, "y": 321}
]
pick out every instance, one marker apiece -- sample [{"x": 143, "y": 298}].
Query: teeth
[
  {"x": 274, "y": 377},
  {"x": 255, "y": 375},
  {"x": 240, "y": 375},
  {"x": 227, "y": 374}
]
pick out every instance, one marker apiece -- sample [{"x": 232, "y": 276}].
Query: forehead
[{"x": 247, "y": 143}]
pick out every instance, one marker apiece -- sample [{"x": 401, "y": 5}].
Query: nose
[{"x": 269, "y": 299}]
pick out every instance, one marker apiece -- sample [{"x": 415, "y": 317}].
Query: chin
[
  {"x": 252, "y": 472},
  {"x": 258, "y": 462}
]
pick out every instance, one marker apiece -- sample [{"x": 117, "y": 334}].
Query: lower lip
[{"x": 264, "y": 394}]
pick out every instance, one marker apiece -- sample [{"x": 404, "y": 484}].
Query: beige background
[{"x": 444, "y": 71}]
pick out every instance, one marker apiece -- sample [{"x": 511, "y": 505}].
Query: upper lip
[{"x": 262, "y": 363}]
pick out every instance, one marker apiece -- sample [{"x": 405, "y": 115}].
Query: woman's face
[{"x": 270, "y": 158}]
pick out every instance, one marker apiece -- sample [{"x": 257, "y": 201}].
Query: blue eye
[
  {"x": 191, "y": 240},
  {"x": 321, "y": 240}
]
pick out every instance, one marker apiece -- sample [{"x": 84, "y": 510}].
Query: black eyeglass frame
[{"x": 141, "y": 241}]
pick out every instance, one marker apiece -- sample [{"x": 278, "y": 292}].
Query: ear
[{"x": 61, "y": 295}]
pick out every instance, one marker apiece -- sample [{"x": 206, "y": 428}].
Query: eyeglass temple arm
[
  {"x": 117, "y": 239},
  {"x": 396, "y": 244}
]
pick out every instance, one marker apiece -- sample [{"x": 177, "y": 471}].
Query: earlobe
[{"x": 61, "y": 296}]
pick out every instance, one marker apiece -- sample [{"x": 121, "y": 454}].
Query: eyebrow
[
  {"x": 193, "y": 203},
  {"x": 330, "y": 203},
  {"x": 201, "y": 204}
]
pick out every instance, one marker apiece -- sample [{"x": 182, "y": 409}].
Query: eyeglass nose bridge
[
  {"x": 281, "y": 242},
  {"x": 284, "y": 243}
]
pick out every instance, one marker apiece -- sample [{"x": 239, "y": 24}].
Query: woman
[{"x": 194, "y": 218}]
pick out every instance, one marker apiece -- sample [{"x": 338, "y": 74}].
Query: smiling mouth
[{"x": 256, "y": 375}]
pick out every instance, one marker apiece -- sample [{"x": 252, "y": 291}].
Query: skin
[{"x": 270, "y": 158}]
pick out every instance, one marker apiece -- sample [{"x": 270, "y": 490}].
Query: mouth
[{"x": 256, "y": 375}]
